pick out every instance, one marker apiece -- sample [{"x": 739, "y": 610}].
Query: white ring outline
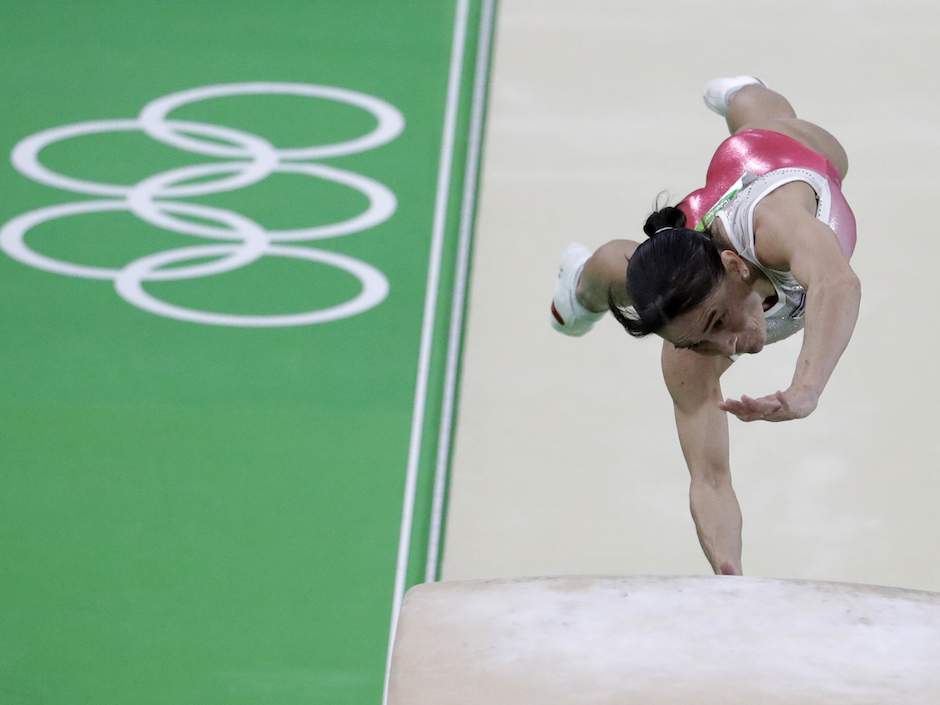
[
  {"x": 382, "y": 202},
  {"x": 390, "y": 120},
  {"x": 13, "y": 241},
  {"x": 129, "y": 285},
  {"x": 25, "y": 158}
]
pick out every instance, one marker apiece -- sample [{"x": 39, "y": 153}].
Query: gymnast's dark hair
[{"x": 669, "y": 274}]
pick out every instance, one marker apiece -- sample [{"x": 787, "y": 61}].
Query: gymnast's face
[{"x": 730, "y": 320}]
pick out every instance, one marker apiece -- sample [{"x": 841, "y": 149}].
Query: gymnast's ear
[{"x": 735, "y": 265}]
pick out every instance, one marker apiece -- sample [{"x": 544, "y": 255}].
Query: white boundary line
[
  {"x": 460, "y": 286},
  {"x": 427, "y": 326}
]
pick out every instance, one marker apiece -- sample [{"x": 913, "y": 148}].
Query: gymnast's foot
[
  {"x": 568, "y": 315},
  {"x": 718, "y": 91}
]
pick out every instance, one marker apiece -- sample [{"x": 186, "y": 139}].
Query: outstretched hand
[{"x": 793, "y": 403}]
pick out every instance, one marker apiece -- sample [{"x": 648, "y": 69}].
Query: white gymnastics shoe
[
  {"x": 568, "y": 316},
  {"x": 718, "y": 91}
]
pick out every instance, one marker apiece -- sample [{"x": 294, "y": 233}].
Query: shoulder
[{"x": 781, "y": 221}]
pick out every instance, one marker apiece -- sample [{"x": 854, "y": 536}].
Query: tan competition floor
[{"x": 566, "y": 456}]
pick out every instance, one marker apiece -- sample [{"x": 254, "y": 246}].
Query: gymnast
[{"x": 759, "y": 253}]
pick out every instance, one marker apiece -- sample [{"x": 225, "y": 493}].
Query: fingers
[
  {"x": 764, "y": 405},
  {"x": 769, "y": 408}
]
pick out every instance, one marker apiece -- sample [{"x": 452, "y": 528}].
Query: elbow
[
  {"x": 846, "y": 282},
  {"x": 854, "y": 285},
  {"x": 712, "y": 474},
  {"x": 851, "y": 280}
]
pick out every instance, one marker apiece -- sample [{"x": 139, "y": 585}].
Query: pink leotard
[{"x": 758, "y": 152}]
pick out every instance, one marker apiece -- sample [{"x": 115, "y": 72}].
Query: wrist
[
  {"x": 807, "y": 389},
  {"x": 808, "y": 393}
]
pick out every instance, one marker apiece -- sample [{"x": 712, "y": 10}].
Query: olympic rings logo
[{"x": 239, "y": 240}]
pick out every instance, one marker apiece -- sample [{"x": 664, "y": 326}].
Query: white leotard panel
[{"x": 786, "y": 317}]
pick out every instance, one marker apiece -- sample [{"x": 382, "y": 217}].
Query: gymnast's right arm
[
  {"x": 606, "y": 271},
  {"x": 693, "y": 383}
]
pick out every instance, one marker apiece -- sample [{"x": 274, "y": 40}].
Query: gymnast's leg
[{"x": 757, "y": 107}]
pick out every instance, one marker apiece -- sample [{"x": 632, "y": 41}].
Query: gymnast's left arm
[{"x": 833, "y": 293}]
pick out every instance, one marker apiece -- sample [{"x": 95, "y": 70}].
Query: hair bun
[{"x": 668, "y": 217}]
